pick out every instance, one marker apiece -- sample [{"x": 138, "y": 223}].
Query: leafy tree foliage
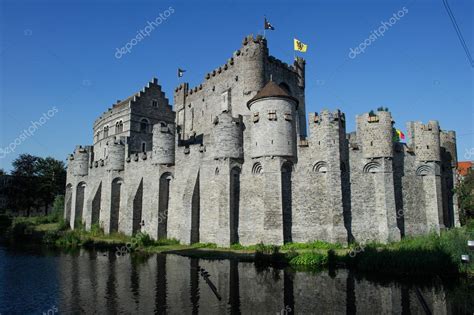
[
  {"x": 465, "y": 191},
  {"x": 35, "y": 182}
]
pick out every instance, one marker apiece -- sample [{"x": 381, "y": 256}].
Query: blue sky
[{"x": 60, "y": 54}]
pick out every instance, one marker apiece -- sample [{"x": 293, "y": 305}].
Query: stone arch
[
  {"x": 163, "y": 203},
  {"x": 115, "y": 203},
  {"x": 80, "y": 198},
  {"x": 372, "y": 167},
  {"x": 68, "y": 203},
  {"x": 424, "y": 170},
  {"x": 234, "y": 204},
  {"x": 286, "y": 195},
  {"x": 257, "y": 168},
  {"x": 320, "y": 167}
]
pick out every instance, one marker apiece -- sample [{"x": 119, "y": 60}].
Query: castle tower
[
  {"x": 254, "y": 53},
  {"x": 273, "y": 131},
  {"x": 330, "y": 156},
  {"x": 164, "y": 143},
  {"x": 273, "y": 142},
  {"x": 448, "y": 175},
  {"x": 424, "y": 141},
  {"x": 227, "y": 134},
  {"x": 116, "y": 156},
  {"x": 81, "y": 161},
  {"x": 375, "y": 133}
]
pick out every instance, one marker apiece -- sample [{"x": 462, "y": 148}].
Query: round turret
[
  {"x": 81, "y": 162},
  {"x": 448, "y": 142},
  {"x": 163, "y": 143},
  {"x": 427, "y": 141},
  {"x": 254, "y": 51},
  {"x": 273, "y": 116},
  {"x": 227, "y": 134},
  {"x": 116, "y": 156},
  {"x": 375, "y": 131}
]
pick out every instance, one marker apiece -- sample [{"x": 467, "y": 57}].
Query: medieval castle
[{"x": 233, "y": 162}]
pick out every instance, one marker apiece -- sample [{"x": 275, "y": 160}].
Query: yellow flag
[{"x": 299, "y": 46}]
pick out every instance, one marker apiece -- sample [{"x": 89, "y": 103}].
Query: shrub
[
  {"x": 310, "y": 259},
  {"x": 267, "y": 249},
  {"x": 141, "y": 240},
  {"x": 96, "y": 230},
  {"x": 69, "y": 239}
]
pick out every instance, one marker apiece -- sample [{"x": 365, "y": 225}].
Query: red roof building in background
[{"x": 464, "y": 167}]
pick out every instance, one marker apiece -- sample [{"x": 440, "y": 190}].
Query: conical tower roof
[{"x": 271, "y": 89}]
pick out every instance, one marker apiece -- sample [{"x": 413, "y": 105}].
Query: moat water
[{"x": 41, "y": 281}]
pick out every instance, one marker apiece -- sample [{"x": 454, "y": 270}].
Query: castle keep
[{"x": 233, "y": 161}]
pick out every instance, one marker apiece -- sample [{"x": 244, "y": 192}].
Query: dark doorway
[
  {"x": 96, "y": 206},
  {"x": 80, "y": 195},
  {"x": 286, "y": 172},
  {"x": 234, "y": 204},
  {"x": 195, "y": 212},
  {"x": 115, "y": 204},
  {"x": 137, "y": 209},
  {"x": 163, "y": 203}
]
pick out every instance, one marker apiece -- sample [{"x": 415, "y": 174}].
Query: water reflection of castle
[{"x": 172, "y": 284}]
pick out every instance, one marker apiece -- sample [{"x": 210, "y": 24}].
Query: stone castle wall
[{"x": 224, "y": 168}]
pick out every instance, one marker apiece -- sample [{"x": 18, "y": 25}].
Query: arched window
[
  {"x": 143, "y": 125},
  {"x": 106, "y": 131},
  {"x": 119, "y": 127}
]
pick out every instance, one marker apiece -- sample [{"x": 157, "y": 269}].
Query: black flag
[
  {"x": 180, "y": 72},
  {"x": 268, "y": 26}
]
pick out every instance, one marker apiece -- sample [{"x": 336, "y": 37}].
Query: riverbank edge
[{"x": 428, "y": 255}]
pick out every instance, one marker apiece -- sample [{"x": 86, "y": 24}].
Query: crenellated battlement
[
  {"x": 424, "y": 140},
  {"x": 375, "y": 134}
]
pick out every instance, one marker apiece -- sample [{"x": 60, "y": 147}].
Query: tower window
[
  {"x": 143, "y": 125},
  {"x": 288, "y": 117},
  {"x": 256, "y": 117},
  {"x": 154, "y": 103},
  {"x": 106, "y": 131},
  {"x": 119, "y": 127},
  {"x": 272, "y": 115}
]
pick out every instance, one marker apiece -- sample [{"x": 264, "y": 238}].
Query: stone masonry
[{"x": 232, "y": 162}]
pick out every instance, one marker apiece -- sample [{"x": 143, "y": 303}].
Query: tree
[
  {"x": 465, "y": 192},
  {"x": 23, "y": 191},
  {"x": 52, "y": 179},
  {"x": 2, "y": 172},
  {"x": 36, "y": 182}
]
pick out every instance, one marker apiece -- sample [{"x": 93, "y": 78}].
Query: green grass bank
[{"x": 425, "y": 255}]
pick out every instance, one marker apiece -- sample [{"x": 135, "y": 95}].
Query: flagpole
[
  {"x": 264, "y": 26},
  {"x": 294, "y": 51}
]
